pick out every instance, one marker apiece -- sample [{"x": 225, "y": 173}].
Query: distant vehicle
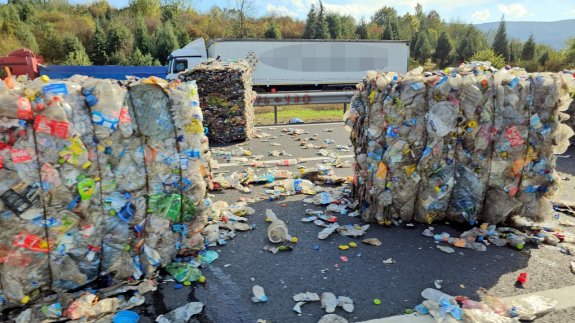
[
  {"x": 25, "y": 62},
  {"x": 298, "y": 63}
]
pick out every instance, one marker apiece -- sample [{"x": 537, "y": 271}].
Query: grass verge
[{"x": 308, "y": 113}]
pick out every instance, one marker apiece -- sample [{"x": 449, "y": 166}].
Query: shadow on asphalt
[
  {"x": 567, "y": 165},
  {"x": 363, "y": 277}
]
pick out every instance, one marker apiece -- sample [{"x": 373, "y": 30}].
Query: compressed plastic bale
[
  {"x": 489, "y": 146},
  {"x": 367, "y": 118},
  {"x": 226, "y": 98},
  {"x": 193, "y": 148},
  {"x": 69, "y": 172},
  {"x": 120, "y": 159},
  {"x": 437, "y": 164},
  {"x": 513, "y": 90},
  {"x": 473, "y": 147},
  {"x": 24, "y": 244},
  {"x": 538, "y": 175},
  {"x": 406, "y": 138},
  {"x": 162, "y": 176}
]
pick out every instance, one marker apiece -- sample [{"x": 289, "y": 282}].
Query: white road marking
[
  {"x": 563, "y": 296},
  {"x": 222, "y": 164}
]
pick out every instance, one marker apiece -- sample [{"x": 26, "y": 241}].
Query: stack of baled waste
[
  {"x": 471, "y": 144},
  {"x": 226, "y": 98},
  {"x": 99, "y": 180}
]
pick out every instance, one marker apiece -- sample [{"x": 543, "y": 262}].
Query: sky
[{"x": 472, "y": 11}]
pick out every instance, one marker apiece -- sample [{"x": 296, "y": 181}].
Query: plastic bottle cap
[
  {"x": 126, "y": 317},
  {"x": 202, "y": 279},
  {"x": 377, "y": 301},
  {"x": 25, "y": 299},
  {"x": 45, "y": 78},
  {"x": 519, "y": 247}
]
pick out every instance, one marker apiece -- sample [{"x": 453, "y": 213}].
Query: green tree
[
  {"x": 118, "y": 36},
  {"x": 142, "y": 39},
  {"x": 515, "y": 49},
  {"x": 469, "y": 43},
  {"x": 443, "y": 49},
  {"x": 500, "y": 44},
  {"x": 347, "y": 27},
  {"x": 26, "y": 37},
  {"x": 384, "y": 16},
  {"x": 167, "y": 42},
  {"x": 334, "y": 25},
  {"x": 139, "y": 59},
  {"x": 390, "y": 32},
  {"x": 361, "y": 30},
  {"x": 71, "y": 43},
  {"x": 321, "y": 28},
  {"x": 543, "y": 58},
  {"x": 77, "y": 57},
  {"x": 273, "y": 31},
  {"x": 146, "y": 8},
  {"x": 570, "y": 53},
  {"x": 422, "y": 48},
  {"x": 97, "y": 51},
  {"x": 489, "y": 55},
  {"x": 309, "y": 30},
  {"x": 528, "y": 51}
]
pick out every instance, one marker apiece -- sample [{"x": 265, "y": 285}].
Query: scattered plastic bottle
[{"x": 515, "y": 241}]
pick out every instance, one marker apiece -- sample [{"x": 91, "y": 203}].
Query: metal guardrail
[{"x": 302, "y": 98}]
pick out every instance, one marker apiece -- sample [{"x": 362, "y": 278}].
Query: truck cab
[{"x": 186, "y": 58}]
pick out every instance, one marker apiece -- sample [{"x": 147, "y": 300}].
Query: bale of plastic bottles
[
  {"x": 471, "y": 144},
  {"x": 99, "y": 180},
  {"x": 226, "y": 99}
]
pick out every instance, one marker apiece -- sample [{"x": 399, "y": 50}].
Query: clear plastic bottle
[
  {"x": 515, "y": 241},
  {"x": 435, "y": 295}
]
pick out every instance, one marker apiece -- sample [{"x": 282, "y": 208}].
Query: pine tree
[
  {"x": 422, "y": 48},
  {"x": 141, "y": 37},
  {"x": 97, "y": 52},
  {"x": 309, "y": 30},
  {"x": 273, "y": 31},
  {"x": 443, "y": 49},
  {"x": 334, "y": 25},
  {"x": 167, "y": 42},
  {"x": 321, "y": 28},
  {"x": 500, "y": 44},
  {"x": 528, "y": 51},
  {"x": 544, "y": 58},
  {"x": 387, "y": 32},
  {"x": 361, "y": 30}
]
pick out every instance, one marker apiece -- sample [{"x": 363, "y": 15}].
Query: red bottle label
[
  {"x": 24, "y": 109},
  {"x": 20, "y": 155}
]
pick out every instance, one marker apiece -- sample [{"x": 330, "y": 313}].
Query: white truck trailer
[{"x": 298, "y": 63}]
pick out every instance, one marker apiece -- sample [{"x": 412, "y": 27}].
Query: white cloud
[
  {"x": 514, "y": 10},
  {"x": 280, "y": 10},
  {"x": 481, "y": 15}
]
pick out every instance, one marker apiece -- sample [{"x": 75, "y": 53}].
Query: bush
[{"x": 488, "y": 55}]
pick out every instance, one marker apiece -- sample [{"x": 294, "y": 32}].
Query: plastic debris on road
[{"x": 181, "y": 314}]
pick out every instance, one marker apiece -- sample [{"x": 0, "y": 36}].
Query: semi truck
[
  {"x": 290, "y": 64},
  {"x": 293, "y": 64}
]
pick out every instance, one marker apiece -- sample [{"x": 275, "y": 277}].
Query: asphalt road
[{"x": 364, "y": 277}]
